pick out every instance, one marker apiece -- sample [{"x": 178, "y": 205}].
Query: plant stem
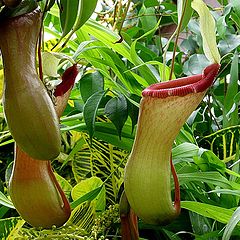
[{"x": 178, "y": 30}]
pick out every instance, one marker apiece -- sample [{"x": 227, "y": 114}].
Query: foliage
[{"x": 121, "y": 50}]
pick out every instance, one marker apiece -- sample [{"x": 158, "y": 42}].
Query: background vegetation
[{"x": 120, "y": 51}]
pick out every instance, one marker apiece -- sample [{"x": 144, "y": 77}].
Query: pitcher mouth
[{"x": 183, "y": 86}]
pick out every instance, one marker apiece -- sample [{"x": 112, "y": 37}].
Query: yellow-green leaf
[
  {"x": 50, "y": 64},
  {"x": 207, "y": 27}
]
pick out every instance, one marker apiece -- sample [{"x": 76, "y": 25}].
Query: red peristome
[
  {"x": 184, "y": 86},
  {"x": 68, "y": 79}
]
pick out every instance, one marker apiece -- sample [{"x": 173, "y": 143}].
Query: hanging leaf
[
  {"x": 207, "y": 27},
  {"x": 85, "y": 12},
  {"x": 68, "y": 15},
  {"x": 116, "y": 111},
  {"x": 90, "y": 84},
  {"x": 133, "y": 110},
  {"x": 90, "y": 110}
]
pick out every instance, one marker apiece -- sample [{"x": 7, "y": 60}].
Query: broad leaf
[
  {"x": 90, "y": 110},
  {"x": 88, "y": 185},
  {"x": 90, "y": 84},
  {"x": 116, "y": 111}
]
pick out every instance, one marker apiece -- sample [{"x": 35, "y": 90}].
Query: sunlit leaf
[
  {"x": 219, "y": 214},
  {"x": 88, "y": 185},
  {"x": 207, "y": 27},
  {"x": 50, "y": 64}
]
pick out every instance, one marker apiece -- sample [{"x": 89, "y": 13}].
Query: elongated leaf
[
  {"x": 90, "y": 110},
  {"x": 87, "y": 197},
  {"x": 226, "y": 191},
  {"x": 184, "y": 12},
  {"x": 185, "y": 150},
  {"x": 207, "y": 27},
  {"x": 231, "y": 118},
  {"x": 219, "y": 214},
  {"x": 85, "y": 11},
  {"x": 116, "y": 110},
  {"x": 214, "y": 178},
  {"x": 5, "y": 201},
  {"x": 109, "y": 38},
  {"x": 3, "y": 211},
  {"x": 68, "y": 15},
  {"x": 231, "y": 224},
  {"x": 76, "y": 148},
  {"x": 107, "y": 132}
]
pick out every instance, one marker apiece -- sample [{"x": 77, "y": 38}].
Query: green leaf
[
  {"x": 116, "y": 110},
  {"x": 65, "y": 185},
  {"x": 3, "y": 211},
  {"x": 88, "y": 186},
  {"x": 219, "y": 214},
  {"x": 85, "y": 11},
  {"x": 7, "y": 225},
  {"x": 108, "y": 133},
  {"x": 68, "y": 15},
  {"x": 236, "y": 6},
  {"x": 231, "y": 224},
  {"x": 5, "y": 201},
  {"x": 148, "y": 19},
  {"x": 90, "y": 110},
  {"x": 208, "y": 161},
  {"x": 87, "y": 197},
  {"x": 207, "y": 27},
  {"x": 90, "y": 84},
  {"x": 75, "y": 149},
  {"x": 214, "y": 178},
  {"x": 184, "y": 152},
  {"x": 228, "y": 44},
  {"x": 151, "y": 3},
  {"x": 195, "y": 64},
  {"x": 109, "y": 38},
  {"x": 231, "y": 118},
  {"x": 184, "y": 12}
]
